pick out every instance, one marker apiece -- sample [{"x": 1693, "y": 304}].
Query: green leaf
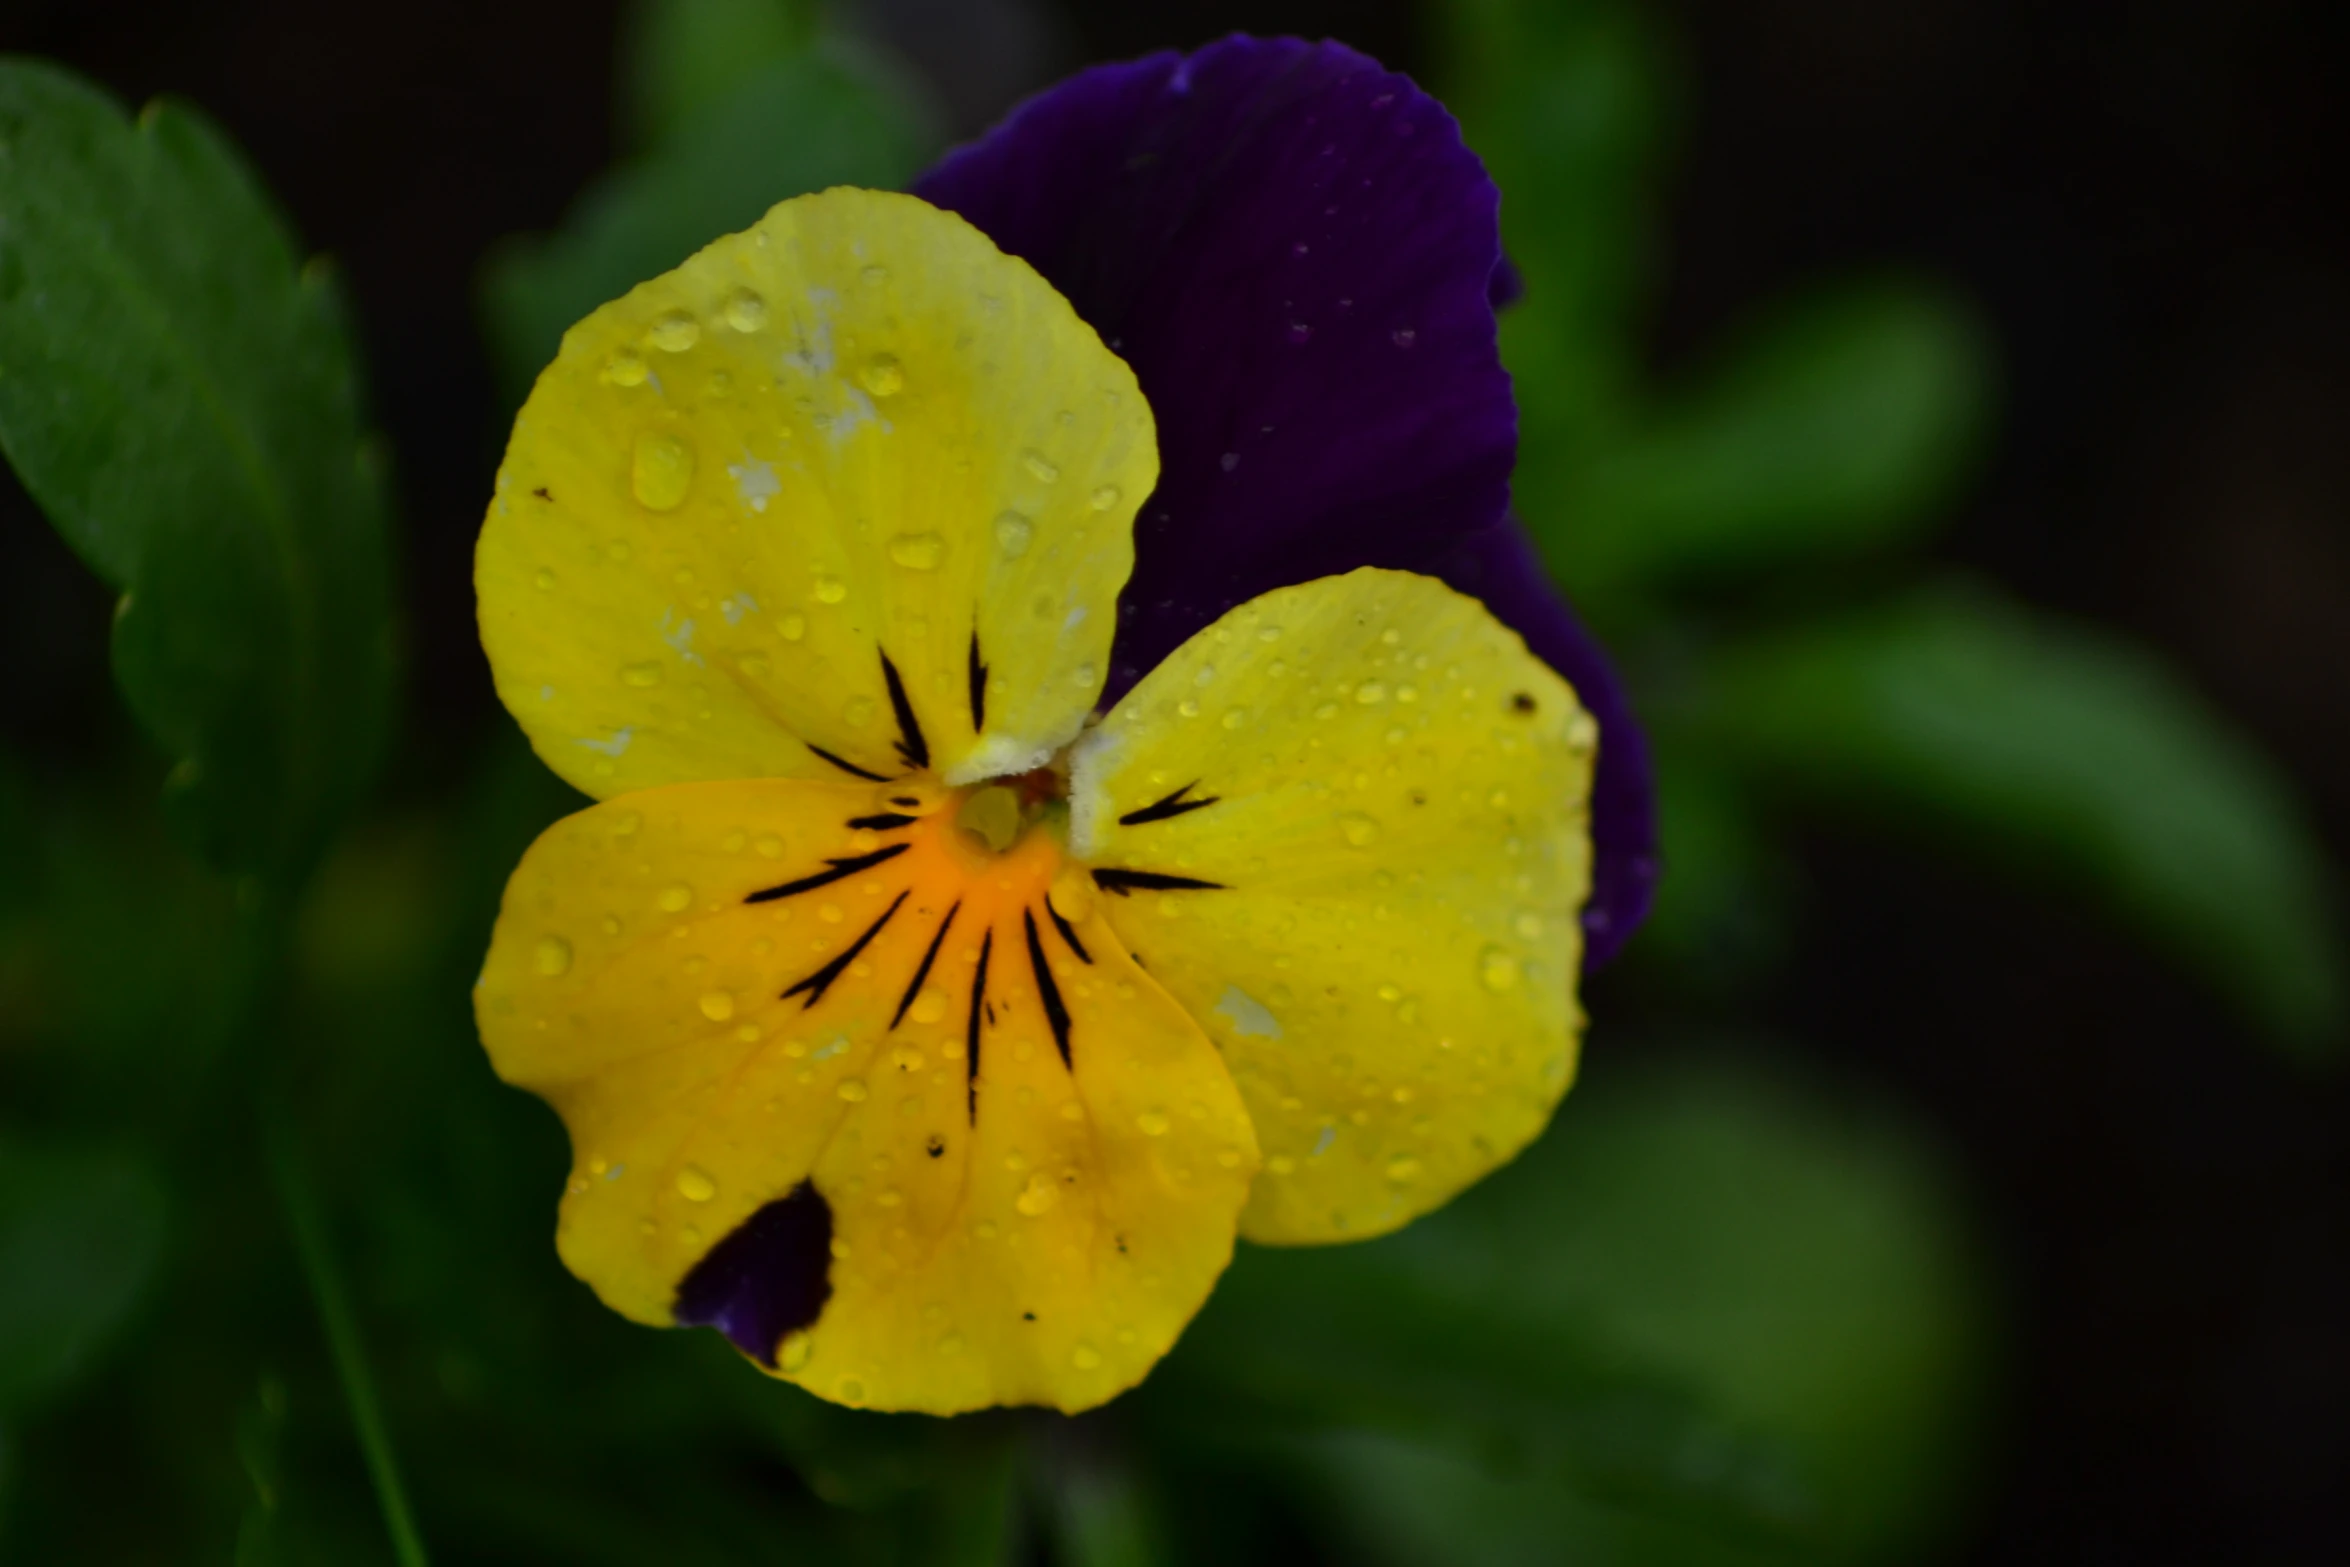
[
  {"x": 826, "y": 117},
  {"x": 1791, "y": 1259},
  {"x": 681, "y": 56},
  {"x": 178, "y": 396},
  {"x": 1834, "y": 426},
  {"x": 81, "y": 1235},
  {"x": 1567, "y": 103},
  {"x": 2069, "y": 756}
]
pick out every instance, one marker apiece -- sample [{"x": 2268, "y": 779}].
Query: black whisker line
[
  {"x": 978, "y": 674},
  {"x": 818, "y": 983},
  {"x": 911, "y": 745},
  {"x": 1172, "y": 805},
  {"x": 914, "y": 985},
  {"x": 1048, "y": 990},
  {"x": 850, "y": 768},
  {"x": 971, "y": 1034},
  {"x": 1068, "y": 934},
  {"x": 887, "y": 821},
  {"x": 1123, "y": 883},
  {"x": 825, "y": 878}
]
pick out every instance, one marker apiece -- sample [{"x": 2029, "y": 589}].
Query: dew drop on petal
[
  {"x": 642, "y": 676},
  {"x": 918, "y": 551},
  {"x": 1371, "y": 693},
  {"x": 1403, "y": 1169},
  {"x": 883, "y": 376},
  {"x": 929, "y": 1006},
  {"x": 1106, "y": 497},
  {"x": 1012, "y": 533},
  {"x": 625, "y": 369},
  {"x": 1152, "y": 1124},
  {"x": 746, "y": 311},
  {"x": 1086, "y": 1358},
  {"x": 794, "y": 1353},
  {"x": 1498, "y": 969},
  {"x": 1040, "y": 467},
  {"x": 661, "y": 472},
  {"x": 718, "y": 1006},
  {"x": 676, "y": 332},
  {"x": 695, "y": 1185},
  {"x": 853, "y": 1090},
  {"x": 1039, "y": 1196},
  {"x": 830, "y": 589},
  {"x": 792, "y": 627},
  {"x": 1235, "y": 717},
  {"x": 553, "y": 956},
  {"x": 1360, "y": 830},
  {"x": 674, "y": 898}
]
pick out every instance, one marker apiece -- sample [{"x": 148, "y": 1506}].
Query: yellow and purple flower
[{"x": 1054, "y": 814}]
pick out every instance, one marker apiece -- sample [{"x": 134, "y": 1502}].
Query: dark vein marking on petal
[
  {"x": 848, "y": 866},
  {"x": 1068, "y": 933},
  {"x": 1048, "y": 990},
  {"x": 914, "y": 985},
  {"x": 850, "y": 768},
  {"x": 770, "y": 1277},
  {"x": 818, "y": 983},
  {"x": 971, "y": 1034},
  {"x": 887, "y": 821},
  {"x": 911, "y": 745},
  {"x": 1123, "y": 883},
  {"x": 978, "y": 673},
  {"x": 1172, "y": 805}
]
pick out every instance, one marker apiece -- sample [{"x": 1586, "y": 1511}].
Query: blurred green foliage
[{"x": 271, "y": 1236}]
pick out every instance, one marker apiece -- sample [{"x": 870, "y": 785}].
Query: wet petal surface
[
  {"x": 1344, "y": 827},
  {"x": 849, "y": 493},
  {"x": 906, "y": 1124}
]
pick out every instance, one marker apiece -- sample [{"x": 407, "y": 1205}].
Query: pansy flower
[{"x": 1054, "y": 815}]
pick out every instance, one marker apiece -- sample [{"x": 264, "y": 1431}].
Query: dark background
[{"x": 2142, "y": 200}]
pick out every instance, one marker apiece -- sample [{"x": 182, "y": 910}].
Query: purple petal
[
  {"x": 1500, "y": 567},
  {"x": 772, "y": 1275},
  {"x": 1294, "y": 251}
]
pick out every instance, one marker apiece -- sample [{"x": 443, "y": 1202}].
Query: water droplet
[
  {"x": 874, "y": 277},
  {"x": 676, "y": 332},
  {"x": 1403, "y": 1168},
  {"x": 1152, "y": 1124},
  {"x": 661, "y": 472},
  {"x": 918, "y": 551},
  {"x": 1012, "y": 533},
  {"x": 553, "y": 956},
  {"x": 1234, "y": 718},
  {"x": 1360, "y": 830},
  {"x": 718, "y": 1006},
  {"x": 625, "y": 369},
  {"x": 1581, "y": 732},
  {"x": 1106, "y": 497},
  {"x": 853, "y": 1090},
  {"x": 792, "y": 627},
  {"x": 1086, "y": 1358},
  {"x": 929, "y": 1006},
  {"x": 642, "y": 676},
  {"x": 831, "y": 914},
  {"x": 694, "y": 1184},
  {"x": 746, "y": 311},
  {"x": 1371, "y": 693},
  {"x": 883, "y": 376},
  {"x": 1039, "y": 1196},
  {"x": 1085, "y": 677},
  {"x": 830, "y": 589},
  {"x": 544, "y": 580},
  {"x": 674, "y": 898},
  {"x": 1037, "y": 465},
  {"x": 851, "y": 1390},
  {"x": 1498, "y": 969},
  {"x": 794, "y": 1353}
]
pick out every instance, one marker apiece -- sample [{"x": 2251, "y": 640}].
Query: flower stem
[{"x": 342, "y": 1337}]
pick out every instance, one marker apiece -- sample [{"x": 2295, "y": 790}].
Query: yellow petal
[
  {"x": 1388, "y": 794},
  {"x": 1031, "y": 1230},
  {"x": 855, "y": 431}
]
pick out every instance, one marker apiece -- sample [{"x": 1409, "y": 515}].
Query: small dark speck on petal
[{"x": 1521, "y": 701}]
